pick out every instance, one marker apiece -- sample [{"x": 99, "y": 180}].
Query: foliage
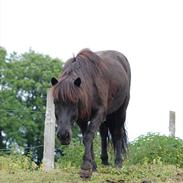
[
  {"x": 14, "y": 162},
  {"x": 149, "y": 149},
  {"x": 24, "y": 82},
  {"x": 155, "y": 148},
  {"x": 72, "y": 154}
]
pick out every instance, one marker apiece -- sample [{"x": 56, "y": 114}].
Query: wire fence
[
  {"x": 21, "y": 111},
  {"x": 25, "y": 148}
]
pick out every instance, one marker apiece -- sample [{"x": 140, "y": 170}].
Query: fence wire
[
  {"x": 20, "y": 111},
  {"x": 25, "y": 148}
]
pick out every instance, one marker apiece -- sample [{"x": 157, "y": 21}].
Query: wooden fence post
[
  {"x": 172, "y": 123},
  {"x": 49, "y": 134}
]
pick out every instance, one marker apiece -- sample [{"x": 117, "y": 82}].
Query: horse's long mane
[{"x": 90, "y": 69}]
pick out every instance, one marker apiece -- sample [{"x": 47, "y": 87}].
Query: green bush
[
  {"x": 14, "y": 162},
  {"x": 155, "y": 148},
  {"x": 73, "y": 154}
]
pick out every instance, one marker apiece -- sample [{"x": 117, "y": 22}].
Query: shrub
[
  {"x": 16, "y": 162},
  {"x": 155, "y": 148},
  {"x": 73, "y": 154}
]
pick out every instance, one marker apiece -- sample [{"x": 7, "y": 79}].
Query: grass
[
  {"x": 151, "y": 159},
  {"x": 128, "y": 174}
]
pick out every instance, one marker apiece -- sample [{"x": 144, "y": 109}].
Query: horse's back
[{"x": 115, "y": 56}]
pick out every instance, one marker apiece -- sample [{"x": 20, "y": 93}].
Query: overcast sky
[{"x": 148, "y": 32}]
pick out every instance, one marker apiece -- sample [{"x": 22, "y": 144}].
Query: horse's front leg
[
  {"x": 83, "y": 125},
  {"x": 86, "y": 167}
]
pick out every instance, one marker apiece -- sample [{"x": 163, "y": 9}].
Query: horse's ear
[
  {"x": 77, "y": 82},
  {"x": 54, "y": 81}
]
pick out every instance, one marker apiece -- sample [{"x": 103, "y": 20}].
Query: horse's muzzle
[{"x": 65, "y": 138}]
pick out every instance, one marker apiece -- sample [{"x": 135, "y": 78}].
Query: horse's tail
[{"x": 124, "y": 141}]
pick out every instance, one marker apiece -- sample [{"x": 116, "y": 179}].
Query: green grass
[
  {"x": 128, "y": 174},
  {"x": 151, "y": 159}
]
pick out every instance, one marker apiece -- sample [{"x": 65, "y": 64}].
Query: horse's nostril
[{"x": 66, "y": 135}]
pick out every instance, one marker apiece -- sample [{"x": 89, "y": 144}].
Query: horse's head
[{"x": 65, "y": 113}]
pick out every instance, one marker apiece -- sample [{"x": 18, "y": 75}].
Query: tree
[{"x": 24, "y": 82}]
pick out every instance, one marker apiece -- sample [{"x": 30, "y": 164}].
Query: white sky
[{"x": 148, "y": 32}]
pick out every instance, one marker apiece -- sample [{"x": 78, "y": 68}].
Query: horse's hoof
[
  {"x": 85, "y": 174},
  {"x": 118, "y": 166}
]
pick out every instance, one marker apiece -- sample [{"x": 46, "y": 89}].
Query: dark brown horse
[{"x": 94, "y": 91}]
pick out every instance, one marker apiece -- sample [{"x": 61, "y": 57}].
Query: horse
[{"x": 93, "y": 91}]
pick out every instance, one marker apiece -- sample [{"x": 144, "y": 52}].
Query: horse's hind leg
[
  {"x": 104, "y": 136},
  {"x": 118, "y": 133},
  {"x": 120, "y": 142}
]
